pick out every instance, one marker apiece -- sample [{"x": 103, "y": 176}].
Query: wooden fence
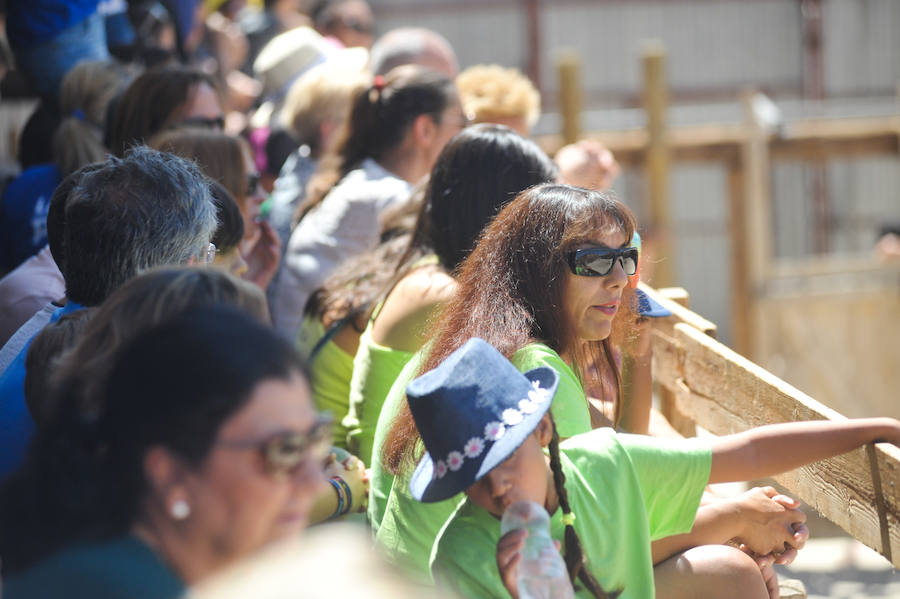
[{"x": 704, "y": 383}]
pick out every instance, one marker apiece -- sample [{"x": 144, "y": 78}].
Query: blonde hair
[
  {"x": 323, "y": 94},
  {"x": 489, "y": 91},
  {"x": 85, "y": 94}
]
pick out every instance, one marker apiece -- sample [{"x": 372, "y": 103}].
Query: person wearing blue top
[
  {"x": 122, "y": 217},
  {"x": 49, "y": 37}
]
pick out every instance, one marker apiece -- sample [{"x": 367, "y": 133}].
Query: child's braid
[{"x": 574, "y": 554}]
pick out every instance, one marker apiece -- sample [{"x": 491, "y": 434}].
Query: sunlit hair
[
  {"x": 154, "y": 101},
  {"x": 85, "y": 94},
  {"x": 380, "y": 116},
  {"x": 510, "y": 292},
  {"x": 489, "y": 91},
  {"x": 322, "y": 95}
]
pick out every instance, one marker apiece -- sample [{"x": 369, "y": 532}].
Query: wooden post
[
  {"x": 657, "y": 162},
  {"x": 756, "y": 216},
  {"x": 568, "y": 65},
  {"x": 740, "y": 285}
]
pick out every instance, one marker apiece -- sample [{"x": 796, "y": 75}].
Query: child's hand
[
  {"x": 771, "y": 524},
  {"x": 508, "y": 554},
  {"x": 767, "y": 568}
]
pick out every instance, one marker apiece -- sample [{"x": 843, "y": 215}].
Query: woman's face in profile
[
  {"x": 591, "y": 302},
  {"x": 239, "y": 501}
]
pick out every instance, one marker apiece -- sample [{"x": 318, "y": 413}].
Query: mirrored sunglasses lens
[
  {"x": 596, "y": 265},
  {"x": 629, "y": 262}
]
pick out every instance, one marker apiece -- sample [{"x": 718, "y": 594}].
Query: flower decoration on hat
[{"x": 493, "y": 431}]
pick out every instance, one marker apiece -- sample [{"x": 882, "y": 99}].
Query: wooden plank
[
  {"x": 726, "y": 393},
  {"x": 655, "y": 98},
  {"x": 679, "y": 314},
  {"x": 739, "y": 293},
  {"x": 808, "y": 139},
  {"x": 568, "y": 66}
]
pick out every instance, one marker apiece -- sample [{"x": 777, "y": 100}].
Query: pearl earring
[{"x": 180, "y": 509}]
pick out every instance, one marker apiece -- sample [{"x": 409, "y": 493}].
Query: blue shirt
[
  {"x": 23, "y": 214},
  {"x": 16, "y": 425},
  {"x": 31, "y": 22}
]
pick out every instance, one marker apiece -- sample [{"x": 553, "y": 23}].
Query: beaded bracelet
[
  {"x": 348, "y": 494},
  {"x": 339, "y": 511}
]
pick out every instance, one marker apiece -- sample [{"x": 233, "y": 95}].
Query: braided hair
[{"x": 573, "y": 552}]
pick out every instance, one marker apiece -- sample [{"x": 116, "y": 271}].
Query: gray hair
[
  {"x": 132, "y": 214},
  {"x": 413, "y": 45}
]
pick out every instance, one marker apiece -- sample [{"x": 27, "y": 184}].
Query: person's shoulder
[
  {"x": 121, "y": 568},
  {"x": 425, "y": 287}
]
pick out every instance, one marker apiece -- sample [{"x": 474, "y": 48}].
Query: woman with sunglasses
[
  {"x": 547, "y": 285},
  {"x": 204, "y": 447}
]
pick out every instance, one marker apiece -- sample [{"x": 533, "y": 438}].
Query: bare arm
[{"x": 776, "y": 448}]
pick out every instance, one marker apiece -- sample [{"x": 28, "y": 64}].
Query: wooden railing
[{"x": 706, "y": 384}]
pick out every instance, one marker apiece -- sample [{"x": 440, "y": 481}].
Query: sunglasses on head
[
  {"x": 599, "y": 262},
  {"x": 285, "y": 454}
]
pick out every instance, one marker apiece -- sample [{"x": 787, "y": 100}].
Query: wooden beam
[
  {"x": 568, "y": 65},
  {"x": 739, "y": 297},
  {"x": 655, "y": 98},
  {"x": 725, "y": 393},
  {"x": 802, "y": 140},
  {"x": 680, "y": 314}
]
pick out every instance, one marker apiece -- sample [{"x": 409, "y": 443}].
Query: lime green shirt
[
  {"x": 329, "y": 376},
  {"x": 375, "y": 368},
  {"x": 625, "y": 491},
  {"x": 406, "y": 528}
]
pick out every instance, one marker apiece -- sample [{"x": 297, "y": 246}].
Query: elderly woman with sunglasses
[{"x": 192, "y": 445}]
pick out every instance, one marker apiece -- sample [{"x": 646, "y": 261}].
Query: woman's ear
[
  {"x": 544, "y": 430},
  {"x": 424, "y": 130},
  {"x": 166, "y": 477}
]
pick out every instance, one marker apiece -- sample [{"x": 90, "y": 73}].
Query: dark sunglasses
[
  {"x": 202, "y": 122},
  {"x": 284, "y": 455},
  {"x": 252, "y": 183},
  {"x": 599, "y": 262}
]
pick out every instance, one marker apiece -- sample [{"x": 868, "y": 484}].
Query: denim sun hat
[
  {"x": 473, "y": 411},
  {"x": 647, "y": 306}
]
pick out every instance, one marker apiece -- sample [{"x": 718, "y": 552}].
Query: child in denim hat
[{"x": 486, "y": 427}]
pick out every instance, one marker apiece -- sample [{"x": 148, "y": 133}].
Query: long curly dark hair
[{"x": 510, "y": 292}]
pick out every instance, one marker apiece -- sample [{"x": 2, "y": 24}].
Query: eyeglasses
[
  {"x": 599, "y": 262},
  {"x": 285, "y": 454},
  {"x": 252, "y": 183},
  {"x": 211, "y": 253}
]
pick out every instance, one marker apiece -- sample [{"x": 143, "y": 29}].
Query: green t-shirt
[
  {"x": 123, "y": 568},
  {"x": 625, "y": 491},
  {"x": 375, "y": 368},
  {"x": 406, "y": 528},
  {"x": 329, "y": 376}
]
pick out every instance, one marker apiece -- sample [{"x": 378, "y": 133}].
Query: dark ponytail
[
  {"x": 573, "y": 553},
  {"x": 380, "y": 115}
]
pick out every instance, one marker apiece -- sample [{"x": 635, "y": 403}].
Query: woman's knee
[{"x": 710, "y": 571}]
